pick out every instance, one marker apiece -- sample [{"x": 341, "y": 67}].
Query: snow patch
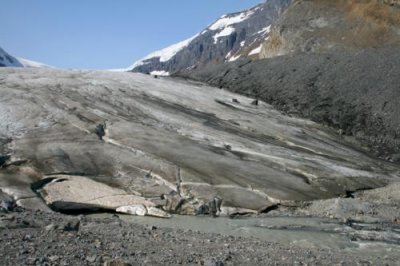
[
  {"x": 159, "y": 73},
  {"x": 226, "y": 21},
  {"x": 165, "y": 54},
  {"x": 225, "y": 32},
  {"x": 256, "y": 50},
  {"x": 242, "y": 43},
  {"x": 234, "y": 58},
  {"x": 30, "y": 63},
  {"x": 265, "y": 30}
]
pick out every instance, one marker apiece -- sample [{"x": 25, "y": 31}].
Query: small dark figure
[
  {"x": 215, "y": 206},
  {"x": 218, "y": 202},
  {"x": 235, "y": 101},
  {"x": 148, "y": 175},
  {"x": 228, "y": 147},
  {"x": 7, "y": 205},
  {"x": 101, "y": 130},
  {"x": 203, "y": 209},
  {"x": 155, "y": 76},
  {"x": 255, "y": 102}
]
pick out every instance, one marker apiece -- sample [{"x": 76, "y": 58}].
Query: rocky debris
[
  {"x": 380, "y": 205},
  {"x": 72, "y": 225},
  {"x": 34, "y": 203},
  {"x": 67, "y": 193},
  {"x": 101, "y": 240},
  {"x": 7, "y": 205},
  {"x": 115, "y": 263}
]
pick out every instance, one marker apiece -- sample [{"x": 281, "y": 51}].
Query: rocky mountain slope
[
  {"x": 230, "y": 37},
  {"x": 318, "y": 26},
  {"x": 7, "y": 60}
]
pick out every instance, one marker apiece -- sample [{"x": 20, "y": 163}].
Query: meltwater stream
[{"x": 305, "y": 232}]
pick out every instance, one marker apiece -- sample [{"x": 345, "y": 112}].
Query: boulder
[
  {"x": 153, "y": 211},
  {"x": 139, "y": 210},
  {"x": 67, "y": 193},
  {"x": 142, "y": 210}
]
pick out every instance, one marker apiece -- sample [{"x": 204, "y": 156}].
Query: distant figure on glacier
[{"x": 101, "y": 130}]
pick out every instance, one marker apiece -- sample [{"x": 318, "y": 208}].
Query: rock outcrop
[{"x": 319, "y": 26}]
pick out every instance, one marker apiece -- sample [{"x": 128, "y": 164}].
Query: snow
[
  {"x": 226, "y": 21},
  {"x": 265, "y": 30},
  {"x": 256, "y": 50},
  {"x": 234, "y": 58},
  {"x": 159, "y": 73},
  {"x": 242, "y": 43},
  {"x": 225, "y": 32},
  {"x": 165, "y": 54},
  {"x": 30, "y": 63}
]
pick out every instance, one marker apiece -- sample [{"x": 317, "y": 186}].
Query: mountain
[
  {"x": 7, "y": 60},
  {"x": 319, "y": 26},
  {"x": 330, "y": 61},
  {"x": 30, "y": 63},
  {"x": 232, "y": 36}
]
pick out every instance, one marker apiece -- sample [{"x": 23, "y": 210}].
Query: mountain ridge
[{"x": 228, "y": 38}]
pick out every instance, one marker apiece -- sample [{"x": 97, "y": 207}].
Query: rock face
[
  {"x": 230, "y": 37},
  {"x": 7, "y": 60},
  {"x": 319, "y": 26},
  {"x": 176, "y": 144}
]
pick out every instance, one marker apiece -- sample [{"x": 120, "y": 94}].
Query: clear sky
[{"x": 103, "y": 34}]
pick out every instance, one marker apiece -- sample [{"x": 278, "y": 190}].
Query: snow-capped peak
[
  {"x": 166, "y": 53},
  {"x": 226, "y": 21},
  {"x": 8, "y": 60}
]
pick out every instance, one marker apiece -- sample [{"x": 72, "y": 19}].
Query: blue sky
[{"x": 103, "y": 34}]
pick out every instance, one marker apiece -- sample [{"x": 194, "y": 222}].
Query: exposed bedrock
[{"x": 168, "y": 144}]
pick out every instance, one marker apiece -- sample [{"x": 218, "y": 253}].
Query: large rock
[{"x": 67, "y": 193}]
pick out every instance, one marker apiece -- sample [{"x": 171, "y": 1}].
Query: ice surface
[{"x": 253, "y": 155}]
